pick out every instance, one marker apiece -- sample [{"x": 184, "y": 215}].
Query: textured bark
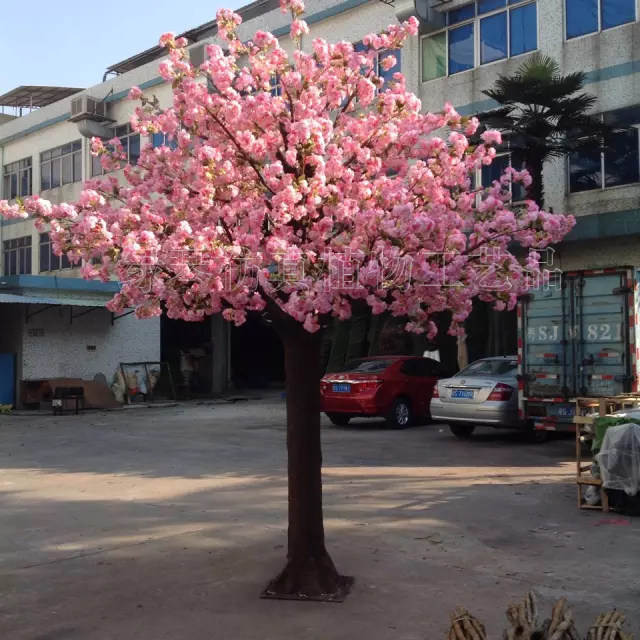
[
  {"x": 309, "y": 572},
  {"x": 535, "y": 191}
]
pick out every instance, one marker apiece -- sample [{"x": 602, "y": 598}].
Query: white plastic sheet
[{"x": 619, "y": 458}]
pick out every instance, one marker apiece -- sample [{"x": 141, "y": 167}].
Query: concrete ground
[{"x": 167, "y": 523}]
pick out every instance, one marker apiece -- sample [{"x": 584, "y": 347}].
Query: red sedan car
[{"x": 398, "y": 388}]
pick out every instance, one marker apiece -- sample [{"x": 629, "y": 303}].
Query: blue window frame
[
  {"x": 461, "y": 49},
  {"x": 523, "y": 29},
  {"x": 590, "y": 16},
  {"x": 16, "y": 256},
  {"x": 276, "y": 86},
  {"x": 485, "y": 6},
  {"x": 17, "y": 179},
  {"x": 493, "y": 38},
  {"x": 618, "y": 164},
  {"x": 130, "y": 141},
  {"x": 62, "y": 165},
  {"x": 479, "y": 33},
  {"x": 157, "y": 139},
  {"x": 495, "y": 171},
  {"x": 582, "y": 17},
  {"x": 616, "y": 12},
  {"x": 160, "y": 139},
  {"x": 460, "y": 15},
  {"x": 386, "y": 75},
  {"x": 49, "y": 261}
]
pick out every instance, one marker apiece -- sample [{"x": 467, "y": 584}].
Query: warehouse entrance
[
  {"x": 257, "y": 355},
  {"x": 188, "y": 348}
]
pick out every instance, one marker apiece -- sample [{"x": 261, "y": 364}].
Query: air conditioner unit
[
  {"x": 430, "y": 15},
  {"x": 87, "y": 108}
]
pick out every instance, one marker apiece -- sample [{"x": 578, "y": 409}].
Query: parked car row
[
  {"x": 406, "y": 389},
  {"x": 578, "y": 340}
]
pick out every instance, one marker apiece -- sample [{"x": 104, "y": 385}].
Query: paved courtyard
[{"x": 167, "y": 523}]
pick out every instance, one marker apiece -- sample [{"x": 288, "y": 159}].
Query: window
[
  {"x": 16, "y": 256},
  {"x": 493, "y": 43},
  {"x": 479, "y": 33},
  {"x": 434, "y": 57},
  {"x": 386, "y": 75},
  {"x": 276, "y": 86},
  {"x": 368, "y": 366},
  {"x": 49, "y": 261},
  {"x": 62, "y": 165},
  {"x": 17, "y": 179},
  {"x": 618, "y": 164},
  {"x": 161, "y": 139},
  {"x": 523, "y": 30},
  {"x": 461, "y": 47},
  {"x": 495, "y": 170},
  {"x": 591, "y": 16},
  {"x": 499, "y": 367},
  {"x": 130, "y": 141}
]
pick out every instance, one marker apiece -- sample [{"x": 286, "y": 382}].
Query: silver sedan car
[{"x": 483, "y": 394}]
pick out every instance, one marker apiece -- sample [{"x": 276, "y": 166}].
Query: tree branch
[{"x": 241, "y": 151}]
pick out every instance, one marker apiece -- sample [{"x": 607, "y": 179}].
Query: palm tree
[{"x": 543, "y": 115}]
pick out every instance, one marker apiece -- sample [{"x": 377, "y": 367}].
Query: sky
[{"x": 70, "y": 43}]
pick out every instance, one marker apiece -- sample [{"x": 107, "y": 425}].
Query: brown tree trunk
[
  {"x": 535, "y": 191},
  {"x": 309, "y": 572}
]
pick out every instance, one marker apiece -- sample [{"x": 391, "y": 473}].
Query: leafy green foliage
[{"x": 543, "y": 115}]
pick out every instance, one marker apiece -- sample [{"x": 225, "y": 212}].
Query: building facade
[
  {"x": 461, "y": 50},
  {"x": 465, "y": 46},
  {"x": 53, "y": 324}
]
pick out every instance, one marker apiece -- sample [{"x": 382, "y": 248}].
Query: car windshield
[
  {"x": 489, "y": 368},
  {"x": 367, "y": 366}
]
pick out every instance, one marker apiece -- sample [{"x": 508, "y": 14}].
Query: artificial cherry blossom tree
[{"x": 332, "y": 190}]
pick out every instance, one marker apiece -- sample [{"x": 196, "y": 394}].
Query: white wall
[
  {"x": 56, "y": 135},
  {"x": 598, "y": 254},
  {"x": 61, "y": 350}
]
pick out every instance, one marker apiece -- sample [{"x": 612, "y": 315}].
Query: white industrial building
[
  {"x": 464, "y": 51},
  {"x": 462, "y": 48}
]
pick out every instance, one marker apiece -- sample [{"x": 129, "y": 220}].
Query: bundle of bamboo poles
[{"x": 523, "y": 618}]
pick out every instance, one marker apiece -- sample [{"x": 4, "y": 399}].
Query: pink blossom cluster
[{"x": 337, "y": 163}]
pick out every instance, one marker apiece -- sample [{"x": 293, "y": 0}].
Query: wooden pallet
[{"x": 604, "y": 406}]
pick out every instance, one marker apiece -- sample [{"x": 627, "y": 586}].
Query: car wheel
[
  {"x": 462, "y": 430},
  {"x": 339, "y": 419},
  {"x": 399, "y": 416}
]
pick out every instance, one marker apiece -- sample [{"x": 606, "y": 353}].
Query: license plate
[
  {"x": 567, "y": 411},
  {"x": 461, "y": 393},
  {"x": 342, "y": 388}
]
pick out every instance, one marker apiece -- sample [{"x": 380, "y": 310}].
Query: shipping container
[{"x": 576, "y": 338}]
